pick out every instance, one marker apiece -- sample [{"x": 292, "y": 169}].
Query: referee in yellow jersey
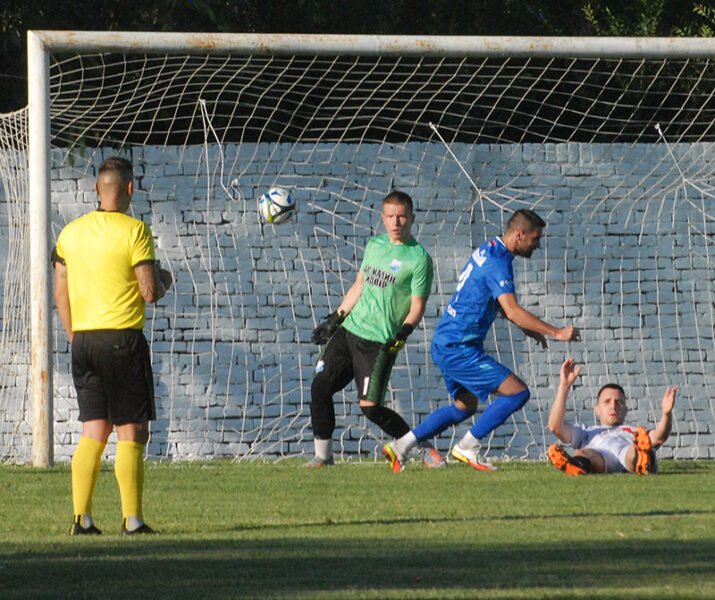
[{"x": 105, "y": 271}]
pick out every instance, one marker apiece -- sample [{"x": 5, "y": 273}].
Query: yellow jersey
[{"x": 100, "y": 251}]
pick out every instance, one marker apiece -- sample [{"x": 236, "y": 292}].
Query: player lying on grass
[
  {"x": 610, "y": 447},
  {"x": 485, "y": 287},
  {"x": 372, "y": 323}
]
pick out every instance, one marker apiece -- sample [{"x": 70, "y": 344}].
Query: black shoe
[
  {"x": 143, "y": 529},
  {"x": 77, "y": 529}
]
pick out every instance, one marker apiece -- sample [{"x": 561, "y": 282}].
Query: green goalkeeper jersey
[{"x": 393, "y": 274}]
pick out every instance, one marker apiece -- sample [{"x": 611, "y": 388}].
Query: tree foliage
[
  {"x": 649, "y": 18},
  {"x": 406, "y": 17}
]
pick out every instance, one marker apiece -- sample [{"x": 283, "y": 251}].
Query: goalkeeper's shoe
[
  {"x": 644, "y": 452},
  {"x": 562, "y": 461},
  {"x": 472, "y": 457},
  {"x": 143, "y": 529},
  {"x": 320, "y": 462},
  {"x": 432, "y": 458},
  {"x": 77, "y": 529},
  {"x": 394, "y": 458}
]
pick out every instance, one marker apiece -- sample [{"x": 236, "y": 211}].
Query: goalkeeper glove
[
  {"x": 396, "y": 343},
  {"x": 323, "y": 332}
]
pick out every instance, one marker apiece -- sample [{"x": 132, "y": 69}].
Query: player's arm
[
  {"x": 524, "y": 319},
  {"x": 325, "y": 330},
  {"x": 662, "y": 429},
  {"x": 417, "y": 310},
  {"x": 557, "y": 423},
  {"x": 152, "y": 281},
  {"x": 353, "y": 295},
  {"x": 62, "y": 298},
  {"x": 418, "y": 306}
]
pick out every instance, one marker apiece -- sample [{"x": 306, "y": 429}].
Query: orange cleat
[
  {"x": 644, "y": 451},
  {"x": 562, "y": 461},
  {"x": 432, "y": 458},
  {"x": 396, "y": 462}
]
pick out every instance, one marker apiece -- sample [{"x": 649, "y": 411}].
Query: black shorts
[
  {"x": 112, "y": 375},
  {"x": 348, "y": 357}
]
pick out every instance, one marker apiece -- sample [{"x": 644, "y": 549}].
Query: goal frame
[{"x": 40, "y": 44}]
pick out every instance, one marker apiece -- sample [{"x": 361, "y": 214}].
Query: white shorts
[
  {"x": 612, "y": 443},
  {"x": 613, "y": 447}
]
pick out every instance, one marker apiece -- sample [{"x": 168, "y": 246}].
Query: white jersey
[{"x": 611, "y": 442}]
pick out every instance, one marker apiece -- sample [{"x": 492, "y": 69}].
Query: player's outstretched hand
[
  {"x": 568, "y": 334},
  {"x": 668, "y": 400},
  {"x": 569, "y": 372},
  {"x": 323, "y": 332}
]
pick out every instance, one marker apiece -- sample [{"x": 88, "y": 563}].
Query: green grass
[{"x": 277, "y": 530}]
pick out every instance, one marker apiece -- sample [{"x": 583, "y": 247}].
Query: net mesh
[{"x": 616, "y": 156}]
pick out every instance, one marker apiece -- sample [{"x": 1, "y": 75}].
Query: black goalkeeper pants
[{"x": 347, "y": 357}]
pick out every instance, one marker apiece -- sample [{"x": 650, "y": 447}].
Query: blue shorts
[{"x": 469, "y": 368}]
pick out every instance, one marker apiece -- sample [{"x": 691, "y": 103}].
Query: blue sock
[
  {"x": 439, "y": 420},
  {"x": 498, "y": 412}
]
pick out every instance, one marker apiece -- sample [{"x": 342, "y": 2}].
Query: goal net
[{"x": 616, "y": 154}]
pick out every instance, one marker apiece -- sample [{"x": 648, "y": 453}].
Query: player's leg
[
  {"x": 591, "y": 460},
  {"x": 129, "y": 472},
  {"x": 488, "y": 375},
  {"x": 333, "y": 372},
  {"x": 372, "y": 366},
  {"x": 86, "y": 461},
  {"x": 95, "y": 431},
  {"x": 640, "y": 457},
  {"x": 513, "y": 395},
  {"x": 464, "y": 406},
  {"x": 583, "y": 462},
  {"x": 130, "y": 389}
]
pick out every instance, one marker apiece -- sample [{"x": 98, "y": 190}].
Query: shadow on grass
[
  {"x": 292, "y": 567},
  {"x": 473, "y": 519}
]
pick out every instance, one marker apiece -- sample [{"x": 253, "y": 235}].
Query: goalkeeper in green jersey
[{"x": 372, "y": 323}]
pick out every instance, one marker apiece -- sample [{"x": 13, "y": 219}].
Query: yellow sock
[
  {"x": 129, "y": 471},
  {"x": 85, "y": 469}
]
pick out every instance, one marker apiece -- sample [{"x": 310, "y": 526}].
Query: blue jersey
[{"x": 473, "y": 308}]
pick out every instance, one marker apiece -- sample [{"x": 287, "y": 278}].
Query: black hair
[
  {"x": 525, "y": 219},
  {"x": 611, "y": 386}
]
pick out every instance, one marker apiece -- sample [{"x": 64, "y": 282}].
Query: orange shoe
[
  {"x": 394, "y": 459},
  {"x": 432, "y": 458},
  {"x": 644, "y": 451},
  {"x": 472, "y": 457},
  {"x": 562, "y": 461}
]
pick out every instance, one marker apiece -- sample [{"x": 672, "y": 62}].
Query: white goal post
[{"x": 43, "y": 44}]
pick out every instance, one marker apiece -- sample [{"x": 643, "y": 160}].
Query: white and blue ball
[{"x": 276, "y": 206}]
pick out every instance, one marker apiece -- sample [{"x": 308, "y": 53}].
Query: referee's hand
[{"x": 165, "y": 277}]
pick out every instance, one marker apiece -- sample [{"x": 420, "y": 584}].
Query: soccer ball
[{"x": 276, "y": 206}]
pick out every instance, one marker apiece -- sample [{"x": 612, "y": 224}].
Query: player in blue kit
[{"x": 485, "y": 287}]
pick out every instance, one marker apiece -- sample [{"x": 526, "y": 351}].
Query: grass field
[{"x": 277, "y": 530}]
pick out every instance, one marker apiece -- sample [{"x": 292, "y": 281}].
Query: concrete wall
[{"x": 627, "y": 257}]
